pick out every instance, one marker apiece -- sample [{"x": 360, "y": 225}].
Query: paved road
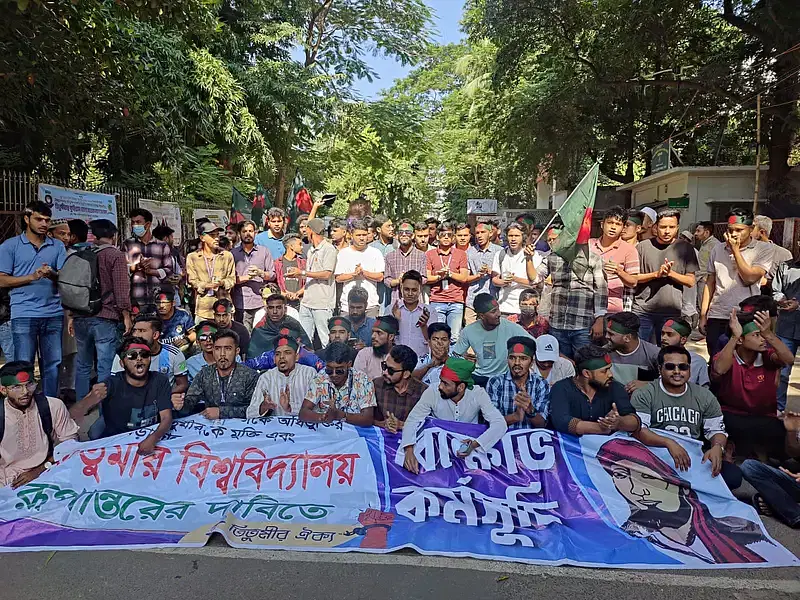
[{"x": 217, "y": 571}]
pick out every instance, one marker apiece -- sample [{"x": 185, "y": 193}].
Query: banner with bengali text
[
  {"x": 78, "y": 204},
  {"x": 279, "y": 483}
]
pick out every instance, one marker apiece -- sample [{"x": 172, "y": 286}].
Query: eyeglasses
[
  {"x": 679, "y": 366},
  {"x": 388, "y": 369},
  {"x": 405, "y": 232},
  {"x": 445, "y": 234},
  {"x": 336, "y": 371},
  {"x": 21, "y": 387},
  {"x": 136, "y": 354}
]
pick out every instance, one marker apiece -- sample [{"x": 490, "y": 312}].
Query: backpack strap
[
  {"x": 2, "y": 418},
  {"x": 43, "y": 404}
]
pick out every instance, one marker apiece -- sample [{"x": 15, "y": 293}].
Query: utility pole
[{"x": 758, "y": 153}]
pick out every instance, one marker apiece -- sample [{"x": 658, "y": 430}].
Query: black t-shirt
[
  {"x": 567, "y": 402},
  {"x": 128, "y": 408},
  {"x": 244, "y": 337}
]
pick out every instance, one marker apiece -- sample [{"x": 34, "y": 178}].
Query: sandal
[{"x": 761, "y": 506}]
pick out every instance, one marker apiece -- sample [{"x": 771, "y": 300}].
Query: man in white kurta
[{"x": 280, "y": 391}]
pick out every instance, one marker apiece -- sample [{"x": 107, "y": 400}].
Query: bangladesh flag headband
[
  {"x": 618, "y": 327},
  {"x": 750, "y": 327},
  {"x": 595, "y": 363},
  {"x": 740, "y": 220},
  {"x": 21, "y": 378},
  {"x": 207, "y": 330},
  {"x": 135, "y": 346},
  {"x": 521, "y": 349},
  {"x": 678, "y": 328}
]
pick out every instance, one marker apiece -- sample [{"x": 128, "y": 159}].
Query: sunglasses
[
  {"x": 388, "y": 369},
  {"x": 336, "y": 371},
  {"x": 136, "y": 355},
  {"x": 674, "y": 366},
  {"x": 203, "y": 338},
  {"x": 405, "y": 232}
]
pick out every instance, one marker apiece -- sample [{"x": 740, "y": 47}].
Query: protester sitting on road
[
  {"x": 778, "y": 490},
  {"x": 635, "y": 360},
  {"x": 223, "y": 317},
  {"x": 281, "y": 390},
  {"x": 266, "y": 360},
  {"x": 266, "y": 331},
  {"x": 135, "y": 398},
  {"x": 30, "y": 425},
  {"x": 549, "y": 364},
  {"x": 223, "y": 390},
  {"x": 675, "y": 404},
  {"x": 177, "y": 325},
  {"x": 592, "y": 402},
  {"x": 528, "y": 317},
  {"x": 397, "y": 391},
  {"x": 429, "y": 367},
  {"x": 676, "y": 332},
  {"x": 357, "y": 314},
  {"x": 339, "y": 393},
  {"x": 455, "y": 399},
  {"x": 487, "y": 337},
  {"x": 745, "y": 372},
  {"x": 369, "y": 360},
  {"x": 520, "y": 395}
]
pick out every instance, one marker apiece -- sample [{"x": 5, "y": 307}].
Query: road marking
[{"x": 658, "y": 578}]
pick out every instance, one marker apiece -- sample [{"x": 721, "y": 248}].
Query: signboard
[
  {"x": 662, "y": 157},
  {"x": 680, "y": 202},
  {"x": 78, "y": 204},
  {"x": 217, "y": 216},
  {"x": 165, "y": 212},
  {"x": 278, "y": 483},
  {"x": 481, "y": 206}
]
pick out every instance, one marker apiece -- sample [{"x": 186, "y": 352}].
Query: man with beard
[
  {"x": 362, "y": 323},
  {"x": 591, "y": 402},
  {"x": 177, "y": 325},
  {"x": 385, "y": 242},
  {"x": 676, "y": 332},
  {"x": 339, "y": 393},
  {"x": 267, "y": 331},
  {"x": 211, "y": 271},
  {"x": 520, "y": 395},
  {"x": 674, "y": 404},
  {"x": 397, "y": 391},
  {"x": 281, "y": 391},
  {"x": 340, "y": 331},
  {"x": 132, "y": 399},
  {"x": 368, "y": 360},
  {"x": 254, "y": 267},
  {"x": 406, "y": 258},
  {"x": 479, "y": 259},
  {"x": 456, "y": 399},
  {"x": 412, "y": 315},
  {"x": 223, "y": 389},
  {"x": 30, "y": 425},
  {"x": 223, "y": 318},
  {"x": 635, "y": 360}
]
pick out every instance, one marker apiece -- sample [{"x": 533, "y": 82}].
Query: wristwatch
[{"x": 303, "y": 273}]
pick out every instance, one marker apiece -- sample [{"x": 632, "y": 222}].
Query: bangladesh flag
[
  {"x": 261, "y": 204},
  {"x": 576, "y": 215},
  {"x": 298, "y": 201},
  {"x": 240, "y": 207}
]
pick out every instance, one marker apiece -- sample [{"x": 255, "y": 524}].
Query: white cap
[
  {"x": 650, "y": 213},
  {"x": 546, "y": 348}
]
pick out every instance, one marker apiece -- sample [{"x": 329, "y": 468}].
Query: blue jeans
[
  {"x": 451, "y": 313},
  {"x": 786, "y": 372},
  {"x": 780, "y": 492},
  {"x": 94, "y": 334},
  {"x": 570, "y": 340},
  {"x": 650, "y": 327},
  {"x": 40, "y": 336},
  {"x": 7, "y": 341}
]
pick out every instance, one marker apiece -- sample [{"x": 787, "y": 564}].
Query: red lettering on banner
[
  {"x": 200, "y": 469},
  {"x": 92, "y": 463}
]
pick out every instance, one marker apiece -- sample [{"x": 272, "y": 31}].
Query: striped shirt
[{"x": 160, "y": 256}]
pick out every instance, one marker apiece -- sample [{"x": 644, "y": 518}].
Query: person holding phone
[{"x": 413, "y": 316}]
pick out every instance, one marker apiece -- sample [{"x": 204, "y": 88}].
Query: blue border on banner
[{"x": 377, "y": 452}]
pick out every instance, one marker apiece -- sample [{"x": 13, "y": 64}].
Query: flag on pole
[
  {"x": 576, "y": 215},
  {"x": 298, "y": 201},
  {"x": 241, "y": 209},
  {"x": 261, "y": 204}
]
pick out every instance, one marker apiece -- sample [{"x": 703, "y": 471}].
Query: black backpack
[
  {"x": 44, "y": 414},
  {"x": 79, "y": 282}
]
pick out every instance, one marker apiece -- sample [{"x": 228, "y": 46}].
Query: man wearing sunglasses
[
  {"x": 407, "y": 257},
  {"x": 676, "y": 332},
  {"x": 397, "y": 391},
  {"x": 339, "y": 393},
  {"x": 676, "y": 405},
  {"x": 132, "y": 399},
  {"x": 26, "y": 415}
]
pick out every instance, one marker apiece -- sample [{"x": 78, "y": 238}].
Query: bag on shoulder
[{"x": 79, "y": 282}]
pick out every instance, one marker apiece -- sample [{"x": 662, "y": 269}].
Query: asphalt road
[{"x": 218, "y": 571}]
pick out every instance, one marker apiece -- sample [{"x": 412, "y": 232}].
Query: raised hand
[
  {"x": 266, "y": 404},
  {"x": 284, "y": 399},
  {"x": 736, "y": 327}
]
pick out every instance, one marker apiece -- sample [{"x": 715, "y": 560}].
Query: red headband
[
  {"x": 448, "y": 373},
  {"x": 137, "y": 346}
]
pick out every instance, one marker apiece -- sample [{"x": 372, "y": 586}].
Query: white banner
[
  {"x": 482, "y": 206},
  {"x": 78, "y": 204},
  {"x": 165, "y": 211},
  {"x": 217, "y": 216}
]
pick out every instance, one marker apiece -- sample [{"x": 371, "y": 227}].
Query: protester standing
[
  {"x": 514, "y": 269},
  {"x": 480, "y": 258},
  {"x": 149, "y": 259},
  {"x": 319, "y": 297},
  {"x": 254, "y": 267},
  {"x": 786, "y": 292},
  {"x": 276, "y": 229},
  {"x": 291, "y": 286},
  {"x": 620, "y": 259},
  {"x": 407, "y": 257},
  {"x": 360, "y": 266},
  {"x": 211, "y": 272},
  {"x": 385, "y": 242},
  {"x": 446, "y": 270}
]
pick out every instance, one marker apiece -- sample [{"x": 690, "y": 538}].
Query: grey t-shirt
[
  {"x": 320, "y": 293},
  {"x": 662, "y": 296},
  {"x": 695, "y": 413},
  {"x": 641, "y": 364}
]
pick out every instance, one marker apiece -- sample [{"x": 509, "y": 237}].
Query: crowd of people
[{"x": 384, "y": 323}]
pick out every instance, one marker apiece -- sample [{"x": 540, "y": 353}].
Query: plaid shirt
[
  {"x": 142, "y": 285},
  {"x": 502, "y": 389},
  {"x": 580, "y": 291},
  {"x": 398, "y": 263},
  {"x": 389, "y": 401}
]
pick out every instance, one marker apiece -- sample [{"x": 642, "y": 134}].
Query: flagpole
[{"x": 546, "y": 227}]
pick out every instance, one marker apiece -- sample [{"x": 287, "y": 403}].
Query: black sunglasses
[
  {"x": 388, "y": 369},
  {"x": 136, "y": 354},
  {"x": 336, "y": 371},
  {"x": 679, "y": 366}
]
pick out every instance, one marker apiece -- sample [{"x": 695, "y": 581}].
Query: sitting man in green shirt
[{"x": 488, "y": 338}]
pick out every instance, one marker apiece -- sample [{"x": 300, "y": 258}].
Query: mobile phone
[
  {"x": 328, "y": 199},
  {"x": 463, "y": 449}
]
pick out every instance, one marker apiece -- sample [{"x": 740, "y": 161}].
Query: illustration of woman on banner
[{"x": 667, "y": 511}]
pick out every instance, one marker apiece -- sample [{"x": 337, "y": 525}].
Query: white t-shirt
[
  {"x": 509, "y": 295},
  {"x": 370, "y": 259}
]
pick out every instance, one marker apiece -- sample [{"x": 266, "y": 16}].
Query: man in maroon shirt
[
  {"x": 745, "y": 373},
  {"x": 447, "y": 269}
]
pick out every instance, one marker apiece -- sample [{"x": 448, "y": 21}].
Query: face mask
[
  {"x": 527, "y": 310},
  {"x": 138, "y": 230}
]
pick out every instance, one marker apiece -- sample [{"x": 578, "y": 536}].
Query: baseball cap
[
  {"x": 316, "y": 225},
  {"x": 650, "y": 213},
  {"x": 546, "y": 348},
  {"x": 208, "y": 227}
]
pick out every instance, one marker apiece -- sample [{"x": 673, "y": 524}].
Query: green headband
[
  {"x": 19, "y": 378},
  {"x": 678, "y": 328},
  {"x": 385, "y": 325},
  {"x": 740, "y": 220},
  {"x": 593, "y": 364},
  {"x": 750, "y": 327},
  {"x": 636, "y": 219},
  {"x": 618, "y": 327}
]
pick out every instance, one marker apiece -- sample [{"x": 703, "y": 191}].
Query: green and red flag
[
  {"x": 261, "y": 204},
  {"x": 576, "y": 215},
  {"x": 298, "y": 201},
  {"x": 241, "y": 209}
]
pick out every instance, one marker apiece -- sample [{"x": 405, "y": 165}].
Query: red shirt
[
  {"x": 457, "y": 260},
  {"x": 750, "y": 390}
]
